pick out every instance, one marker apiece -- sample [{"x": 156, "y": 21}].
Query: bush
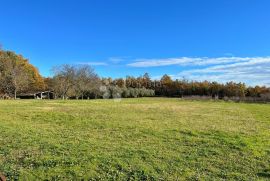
[
  {"x": 117, "y": 92},
  {"x": 125, "y": 93}
]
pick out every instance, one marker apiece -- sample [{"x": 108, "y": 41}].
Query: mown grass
[{"x": 135, "y": 139}]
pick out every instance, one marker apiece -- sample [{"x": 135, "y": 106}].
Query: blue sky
[{"x": 219, "y": 40}]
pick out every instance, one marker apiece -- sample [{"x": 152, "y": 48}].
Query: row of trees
[
  {"x": 17, "y": 75},
  {"x": 168, "y": 87},
  {"x": 80, "y": 81}
]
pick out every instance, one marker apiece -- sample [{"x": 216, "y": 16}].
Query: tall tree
[
  {"x": 18, "y": 75},
  {"x": 86, "y": 80},
  {"x": 146, "y": 81},
  {"x": 64, "y": 79}
]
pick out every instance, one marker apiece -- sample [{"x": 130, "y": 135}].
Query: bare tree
[
  {"x": 19, "y": 79},
  {"x": 85, "y": 80},
  {"x": 77, "y": 81},
  {"x": 64, "y": 79}
]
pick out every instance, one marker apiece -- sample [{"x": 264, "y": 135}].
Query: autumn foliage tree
[{"x": 17, "y": 75}]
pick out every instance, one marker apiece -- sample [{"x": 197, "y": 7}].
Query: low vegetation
[{"x": 134, "y": 139}]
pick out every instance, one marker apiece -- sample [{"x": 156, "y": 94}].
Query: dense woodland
[{"x": 18, "y": 76}]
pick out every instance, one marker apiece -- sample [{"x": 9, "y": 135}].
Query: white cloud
[
  {"x": 251, "y": 70},
  {"x": 185, "y": 61}
]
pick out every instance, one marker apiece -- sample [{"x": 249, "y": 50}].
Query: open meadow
[{"x": 134, "y": 139}]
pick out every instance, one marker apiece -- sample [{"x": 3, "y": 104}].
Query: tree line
[
  {"x": 168, "y": 87},
  {"x": 18, "y": 76}
]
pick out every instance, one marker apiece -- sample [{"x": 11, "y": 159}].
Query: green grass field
[{"x": 135, "y": 139}]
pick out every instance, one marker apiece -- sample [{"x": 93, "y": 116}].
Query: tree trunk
[{"x": 15, "y": 94}]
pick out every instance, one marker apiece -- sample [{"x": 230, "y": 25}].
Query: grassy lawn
[{"x": 136, "y": 139}]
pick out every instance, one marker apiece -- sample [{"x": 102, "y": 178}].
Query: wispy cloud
[
  {"x": 93, "y": 63},
  {"x": 251, "y": 70},
  {"x": 108, "y": 61},
  {"x": 117, "y": 60},
  {"x": 228, "y": 54},
  {"x": 186, "y": 61}
]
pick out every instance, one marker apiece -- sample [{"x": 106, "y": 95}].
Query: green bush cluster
[{"x": 118, "y": 92}]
